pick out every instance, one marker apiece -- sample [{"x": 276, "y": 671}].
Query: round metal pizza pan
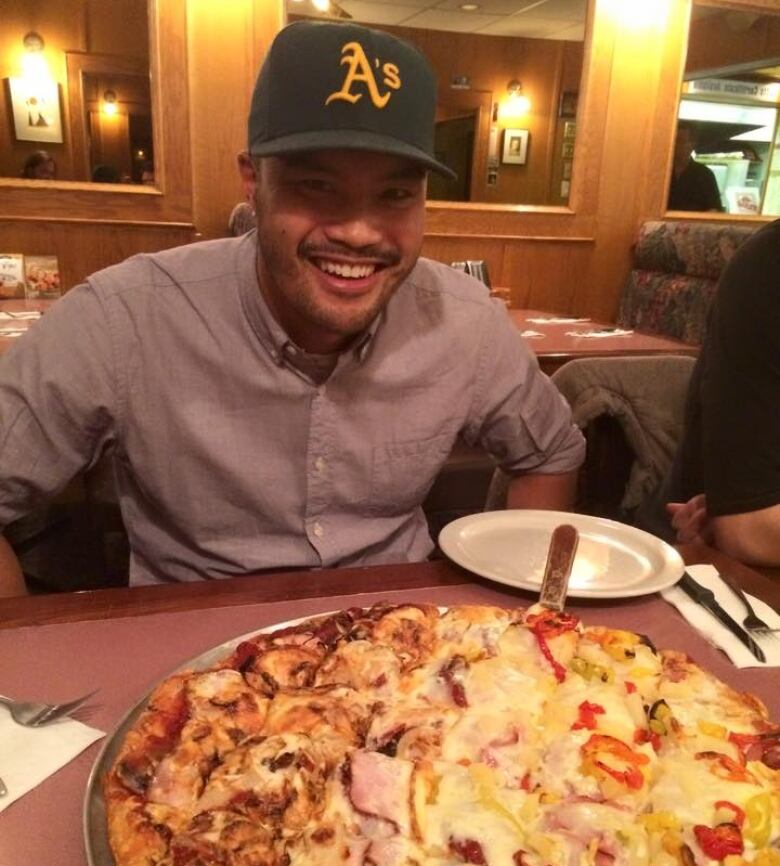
[{"x": 96, "y": 842}]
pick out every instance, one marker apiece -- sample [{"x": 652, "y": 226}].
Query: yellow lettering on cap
[{"x": 360, "y": 70}]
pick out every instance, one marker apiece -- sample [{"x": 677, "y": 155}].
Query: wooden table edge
[{"x": 296, "y": 585}]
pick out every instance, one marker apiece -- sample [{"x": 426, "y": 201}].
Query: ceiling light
[
  {"x": 321, "y": 5},
  {"x": 469, "y": 7}
]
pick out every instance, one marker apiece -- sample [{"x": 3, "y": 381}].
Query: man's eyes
[
  {"x": 398, "y": 194},
  {"x": 315, "y": 184}
]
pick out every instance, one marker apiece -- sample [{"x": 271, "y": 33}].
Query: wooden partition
[{"x": 206, "y": 56}]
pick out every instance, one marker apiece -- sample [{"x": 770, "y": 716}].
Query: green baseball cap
[{"x": 330, "y": 85}]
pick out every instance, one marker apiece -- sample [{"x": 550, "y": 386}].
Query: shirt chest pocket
[{"x": 403, "y": 472}]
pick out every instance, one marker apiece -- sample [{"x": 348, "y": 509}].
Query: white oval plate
[{"x": 613, "y": 560}]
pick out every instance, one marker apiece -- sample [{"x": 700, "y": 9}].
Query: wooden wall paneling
[
  {"x": 85, "y": 247},
  {"x": 546, "y": 274},
  {"x": 227, "y": 44},
  {"x": 454, "y": 249}
]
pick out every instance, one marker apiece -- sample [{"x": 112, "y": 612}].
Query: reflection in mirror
[
  {"x": 727, "y": 151},
  {"x": 509, "y": 76},
  {"x": 76, "y": 86}
]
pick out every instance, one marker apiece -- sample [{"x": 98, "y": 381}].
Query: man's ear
[{"x": 248, "y": 174}]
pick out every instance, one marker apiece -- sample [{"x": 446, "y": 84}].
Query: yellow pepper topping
[
  {"x": 758, "y": 820},
  {"x": 661, "y": 821},
  {"x": 712, "y": 730}
]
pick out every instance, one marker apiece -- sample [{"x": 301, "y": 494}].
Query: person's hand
[{"x": 690, "y": 519}]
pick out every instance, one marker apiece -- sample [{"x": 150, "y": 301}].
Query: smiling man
[{"x": 287, "y": 398}]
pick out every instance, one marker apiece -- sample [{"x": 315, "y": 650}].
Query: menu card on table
[
  {"x": 12, "y": 282},
  {"x": 42, "y": 276}
]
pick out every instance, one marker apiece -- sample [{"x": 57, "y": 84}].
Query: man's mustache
[{"x": 385, "y": 256}]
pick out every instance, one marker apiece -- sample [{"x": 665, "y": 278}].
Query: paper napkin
[
  {"x": 716, "y": 633},
  {"x": 556, "y": 320},
  {"x": 30, "y": 755},
  {"x": 601, "y": 332},
  {"x": 24, "y": 314}
]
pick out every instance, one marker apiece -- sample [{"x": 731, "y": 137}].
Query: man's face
[{"x": 337, "y": 233}]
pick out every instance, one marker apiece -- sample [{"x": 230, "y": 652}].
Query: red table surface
[{"x": 124, "y": 657}]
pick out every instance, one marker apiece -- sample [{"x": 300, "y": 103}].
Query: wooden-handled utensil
[{"x": 560, "y": 558}]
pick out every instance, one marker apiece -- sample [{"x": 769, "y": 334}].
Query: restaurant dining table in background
[
  {"x": 123, "y": 641},
  {"x": 11, "y": 326},
  {"x": 558, "y": 341}
]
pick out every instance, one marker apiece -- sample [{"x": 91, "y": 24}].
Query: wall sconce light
[
  {"x": 515, "y": 105},
  {"x": 35, "y": 69},
  {"x": 109, "y": 103}
]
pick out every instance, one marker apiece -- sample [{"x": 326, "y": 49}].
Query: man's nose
[{"x": 356, "y": 227}]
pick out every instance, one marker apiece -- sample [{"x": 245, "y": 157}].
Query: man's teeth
[{"x": 353, "y": 272}]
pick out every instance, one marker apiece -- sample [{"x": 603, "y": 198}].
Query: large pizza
[{"x": 412, "y": 736}]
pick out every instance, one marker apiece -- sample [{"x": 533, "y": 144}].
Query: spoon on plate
[{"x": 560, "y": 558}]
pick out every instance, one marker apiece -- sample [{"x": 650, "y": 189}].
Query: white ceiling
[{"x": 538, "y": 19}]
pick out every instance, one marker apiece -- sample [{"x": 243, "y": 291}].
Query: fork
[
  {"x": 33, "y": 715},
  {"x": 751, "y": 622}
]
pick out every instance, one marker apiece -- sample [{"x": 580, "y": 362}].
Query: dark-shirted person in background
[
  {"x": 693, "y": 185},
  {"x": 287, "y": 398},
  {"x": 725, "y": 481}
]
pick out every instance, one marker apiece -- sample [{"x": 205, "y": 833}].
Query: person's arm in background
[
  {"x": 739, "y": 399},
  {"x": 553, "y": 492},
  {"x": 752, "y": 537},
  {"x": 11, "y": 578}
]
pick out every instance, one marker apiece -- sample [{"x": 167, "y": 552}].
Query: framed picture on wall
[
  {"x": 36, "y": 110},
  {"x": 568, "y": 104},
  {"x": 515, "y": 146}
]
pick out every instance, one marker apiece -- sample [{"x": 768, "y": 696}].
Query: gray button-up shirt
[{"x": 229, "y": 457}]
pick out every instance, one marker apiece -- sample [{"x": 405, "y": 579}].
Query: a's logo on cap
[{"x": 360, "y": 70}]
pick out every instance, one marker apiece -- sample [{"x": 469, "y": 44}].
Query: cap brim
[{"x": 349, "y": 139}]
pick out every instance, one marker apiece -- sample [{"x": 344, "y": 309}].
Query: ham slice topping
[{"x": 380, "y": 786}]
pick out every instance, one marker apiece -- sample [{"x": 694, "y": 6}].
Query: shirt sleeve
[
  {"x": 57, "y": 402},
  {"x": 518, "y": 415},
  {"x": 740, "y": 382}
]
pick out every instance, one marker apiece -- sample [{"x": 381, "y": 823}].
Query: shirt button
[
  {"x": 319, "y": 464},
  {"x": 318, "y": 530}
]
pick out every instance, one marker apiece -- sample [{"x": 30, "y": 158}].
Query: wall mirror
[
  {"x": 76, "y": 85},
  {"x": 727, "y": 146},
  {"x": 509, "y": 73}
]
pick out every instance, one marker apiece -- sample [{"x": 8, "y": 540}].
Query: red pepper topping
[
  {"x": 719, "y": 842},
  {"x": 547, "y": 624},
  {"x": 630, "y": 687},
  {"x": 468, "y": 850},
  {"x": 725, "y": 767},
  {"x": 641, "y": 735},
  {"x": 587, "y": 716},
  {"x": 601, "y": 744},
  {"x": 739, "y": 814},
  {"x": 551, "y": 623},
  {"x": 525, "y": 782},
  {"x": 558, "y": 669}
]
